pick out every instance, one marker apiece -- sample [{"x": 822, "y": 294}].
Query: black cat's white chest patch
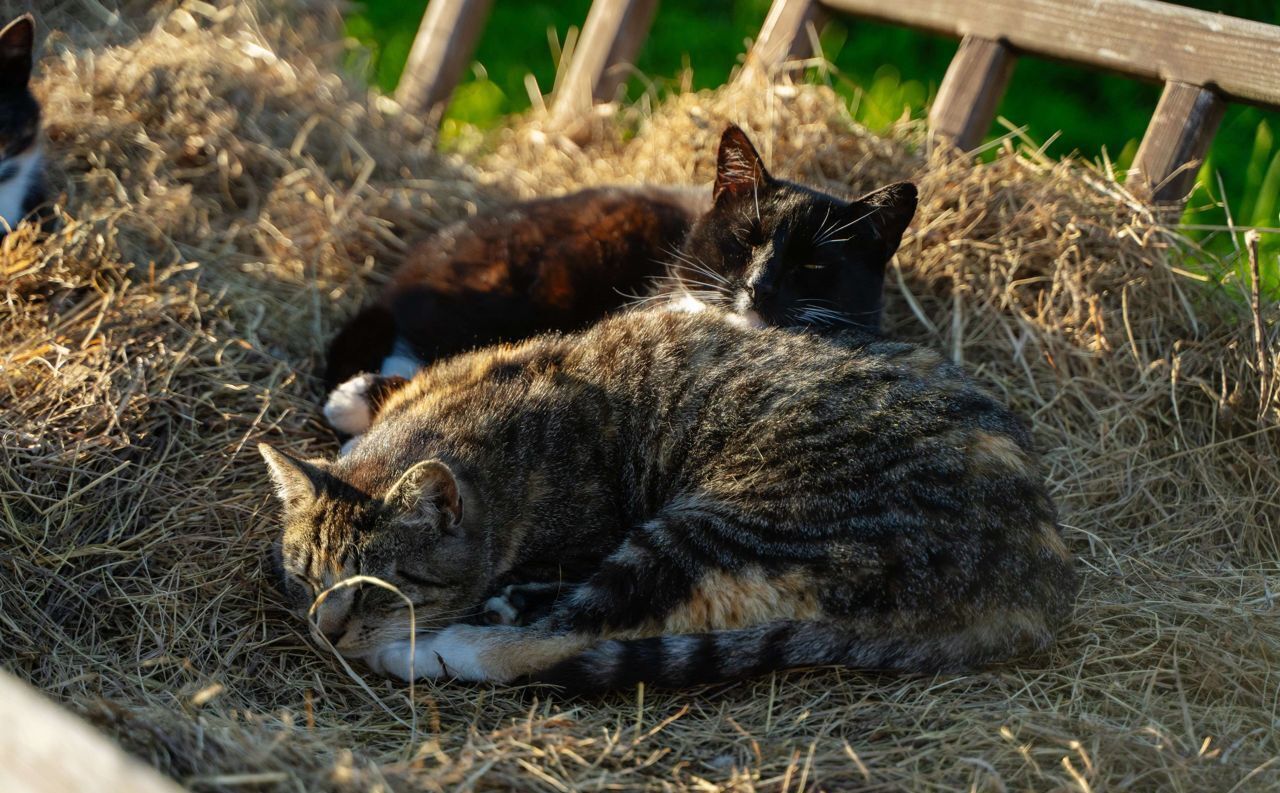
[{"x": 19, "y": 177}]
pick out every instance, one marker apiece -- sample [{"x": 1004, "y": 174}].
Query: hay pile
[{"x": 229, "y": 201}]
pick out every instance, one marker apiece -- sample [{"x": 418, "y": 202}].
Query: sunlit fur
[{"x": 718, "y": 501}]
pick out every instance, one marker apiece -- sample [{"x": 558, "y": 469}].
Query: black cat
[{"x": 772, "y": 252}]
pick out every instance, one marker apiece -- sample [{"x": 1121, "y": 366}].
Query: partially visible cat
[
  {"x": 548, "y": 264},
  {"x": 721, "y": 501},
  {"x": 772, "y": 251},
  {"x": 22, "y": 187}
]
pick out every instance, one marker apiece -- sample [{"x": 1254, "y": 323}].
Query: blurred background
[{"x": 884, "y": 72}]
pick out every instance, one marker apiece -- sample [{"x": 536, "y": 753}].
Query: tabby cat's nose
[{"x": 333, "y": 614}]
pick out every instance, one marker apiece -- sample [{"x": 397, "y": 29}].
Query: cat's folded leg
[
  {"x": 635, "y": 587},
  {"x": 493, "y": 653}
]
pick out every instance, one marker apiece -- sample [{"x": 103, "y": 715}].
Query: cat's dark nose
[
  {"x": 761, "y": 289},
  {"x": 335, "y": 634}
]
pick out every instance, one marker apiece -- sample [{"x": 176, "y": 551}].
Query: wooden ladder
[{"x": 1203, "y": 59}]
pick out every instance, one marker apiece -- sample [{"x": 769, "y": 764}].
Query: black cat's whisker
[
  {"x": 822, "y": 227},
  {"x": 705, "y": 296},
  {"x": 682, "y": 281},
  {"x": 697, "y": 266},
  {"x": 818, "y": 301},
  {"x": 640, "y": 300},
  {"x": 818, "y": 315},
  {"x": 824, "y": 239},
  {"x": 633, "y": 296}
]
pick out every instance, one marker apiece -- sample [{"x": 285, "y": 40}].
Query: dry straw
[{"x": 229, "y": 201}]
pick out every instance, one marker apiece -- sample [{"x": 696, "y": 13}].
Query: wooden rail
[
  {"x": 610, "y": 40},
  {"x": 446, "y": 38},
  {"x": 1203, "y": 59}
]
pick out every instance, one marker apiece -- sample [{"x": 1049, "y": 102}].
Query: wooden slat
[
  {"x": 441, "y": 51},
  {"x": 611, "y": 39},
  {"x": 1176, "y": 141},
  {"x": 971, "y": 91},
  {"x": 45, "y": 749},
  {"x": 1142, "y": 38},
  {"x": 784, "y": 36}
]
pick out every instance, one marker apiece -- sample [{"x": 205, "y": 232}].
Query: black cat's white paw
[
  {"x": 348, "y": 408},
  {"x": 521, "y": 604}
]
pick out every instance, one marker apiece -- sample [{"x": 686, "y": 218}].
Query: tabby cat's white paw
[
  {"x": 452, "y": 653},
  {"x": 347, "y": 409}
]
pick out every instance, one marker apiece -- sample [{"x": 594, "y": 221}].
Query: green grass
[{"x": 884, "y": 71}]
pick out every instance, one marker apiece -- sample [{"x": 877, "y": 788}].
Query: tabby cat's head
[
  {"x": 19, "y": 111},
  {"x": 783, "y": 254},
  {"x": 408, "y": 532}
]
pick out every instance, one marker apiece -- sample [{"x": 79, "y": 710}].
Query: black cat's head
[
  {"x": 19, "y": 111},
  {"x": 779, "y": 253}
]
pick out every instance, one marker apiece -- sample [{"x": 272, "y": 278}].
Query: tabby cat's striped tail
[{"x": 683, "y": 660}]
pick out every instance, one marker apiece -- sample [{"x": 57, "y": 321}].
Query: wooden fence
[{"x": 1204, "y": 60}]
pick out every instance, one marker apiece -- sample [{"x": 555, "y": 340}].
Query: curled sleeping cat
[
  {"x": 772, "y": 251},
  {"x": 22, "y": 188},
  {"x": 718, "y": 500}
]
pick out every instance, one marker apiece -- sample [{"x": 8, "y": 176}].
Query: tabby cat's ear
[
  {"x": 424, "y": 491},
  {"x": 739, "y": 169},
  {"x": 889, "y": 210},
  {"x": 296, "y": 482},
  {"x": 16, "y": 42}
]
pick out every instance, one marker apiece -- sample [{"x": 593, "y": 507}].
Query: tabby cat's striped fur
[{"x": 721, "y": 500}]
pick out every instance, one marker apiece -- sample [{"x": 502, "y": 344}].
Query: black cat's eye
[
  {"x": 418, "y": 580},
  {"x": 814, "y": 266}
]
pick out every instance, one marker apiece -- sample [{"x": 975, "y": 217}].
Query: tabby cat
[
  {"x": 22, "y": 187},
  {"x": 720, "y": 500},
  {"x": 772, "y": 251}
]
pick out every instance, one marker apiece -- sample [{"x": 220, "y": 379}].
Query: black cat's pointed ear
[
  {"x": 16, "y": 43},
  {"x": 739, "y": 169},
  {"x": 889, "y": 210},
  {"x": 297, "y": 482},
  {"x": 425, "y": 493}
]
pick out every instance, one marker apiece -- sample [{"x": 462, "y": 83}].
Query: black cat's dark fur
[
  {"x": 22, "y": 187},
  {"x": 548, "y": 264}
]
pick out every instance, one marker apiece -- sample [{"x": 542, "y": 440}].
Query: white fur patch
[
  {"x": 687, "y": 304},
  {"x": 747, "y": 319},
  {"x": 402, "y": 362},
  {"x": 452, "y": 653},
  {"x": 498, "y": 606},
  {"x": 347, "y": 408},
  {"x": 13, "y": 191}
]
